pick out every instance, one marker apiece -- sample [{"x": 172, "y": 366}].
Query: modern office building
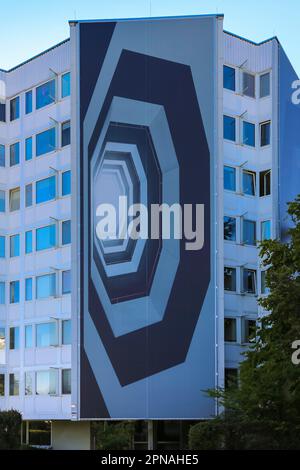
[{"x": 256, "y": 173}]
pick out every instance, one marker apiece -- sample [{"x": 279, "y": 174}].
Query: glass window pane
[
  {"x": 65, "y": 133},
  {"x": 28, "y": 195},
  {"x": 2, "y": 247},
  {"x": 230, "y": 279},
  {"x": 230, "y": 329},
  {"x": 46, "y": 382},
  {"x": 14, "y": 337},
  {"x": 28, "y": 242},
  {"x": 14, "y": 292},
  {"x": 15, "y": 108},
  {"x": 66, "y": 282},
  {"x": 265, "y": 134},
  {"x": 249, "y": 84},
  {"x": 2, "y": 155},
  {"x": 45, "y": 94},
  {"x": 46, "y": 335},
  {"x": 45, "y": 286},
  {"x": 248, "y": 134},
  {"x": 249, "y": 281},
  {"x": 28, "y": 336},
  {"x": 45, "y": 141},
  {"x": 249, "y": 183},
  {"x": 249, "y": 232},
  {"x": 2, "y": 292},
  {"x": 266, "y": 230},
  {"x": 28, "y": 288},
  {"x": 229, "y": 228},
  {"x": 14, "y": 245},
  {"x": 249, "y": 331},
  {"x": 45, "y": 237},
  {"x": 13, "y": 384},
  {"x": 14, "y": 154},
  {"x": 2, "y": 112},
  {"x": 65, "y": 84},
  {"x": 45, "y": 189},
  {"x": 2, "y": 201},
  {"x": 28, "y": 148},
  {"x": 28, "y": 383},
  {"x": 66, "y": 381},
  {"x": 229, "y": 128},
  {"x": 66, "y": 232},
  {"x": 2, "y": 385},
  {"x": 66, "y": 332},
  {"x": 66, "y": 183},
  {"x": 28, "y": 102},
  {"x": 14, "y": 199},
  {"x": 265, "y": 85},
  {"x": 229, "y": 78}
]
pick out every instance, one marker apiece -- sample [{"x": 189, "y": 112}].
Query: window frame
[
  {"x": 226, "y": 115},
  {"x": 261, "y": 124}
]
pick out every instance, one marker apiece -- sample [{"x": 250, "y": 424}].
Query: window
[
  {"x": 230, "y": 330},
  {"x": 65, "y": 133},
  {"x": 46, "y": 382},
  {"x": 264, "y": 85},
  {"x": 263, "y": 286},
  {"x": 28, "y": 102},
  {"x": 229, "y": 128},
  {"x": 28, "y": 148},
  {"x": 2, "y": 246},
  {"x": 2, "y": 155},
  {"x": 28, "y": 336},
  {"x": 28, "y": 242},
  {"x": 249, "y": 84},
  {"x": 45, "y": 237},
  {"x": 2, "y": 112},
  {"x": 229, "y": 178},
  {"x": 45, "y": 141},
  {"x": 249, "y": 330},
  {"x": 28, "y": 383},
  {"x": 2, "y": 292},
  {"x": 266, "y": 230},
  {"x": 265, "y": 133},
  {"x": 66, "y": 282},
  {"x": 66, "y": 381},
  {"x": 229, "y": 78},
  {"x": 65, "y": 84},
  {"x": 14, "y": 199},
  {"x": 2, "y": 345},
  {"x": 2, "y": 385},
  {"x": 46, "y": 335},
  {"x": 249, "y": 232},
  {"x": 265, "y": 183},
  {"x": 66, "y": 183},
  {"x": 14, "y": 154},
  {"x": 249, "y": 186},
  {"x": 230, "y": 228},
  {"x": 14, "y": 292},
  {"x": 13, "y": 384},
  {"x": 28, "y": 288},
  {"x": 249, "y": 281},
  {"x": 248, "y": 134},
  {"x": 230, "y": 279},
  {"x": 14, "y": 337},
  {"x": 45, "y": 190},
  {"x": 66, "y": 232},
  {"x": 45, "y": 94},
  {"x": 231, "y": 378},
  {"x": 28, "y": 195},
  {"x": 66, "y": 332},
  {"x": 14, "y": 245},
  {"x": 2, "y": 201},
  {"x": 15, "y": 108},
  {"x": 45, "y": 286}
]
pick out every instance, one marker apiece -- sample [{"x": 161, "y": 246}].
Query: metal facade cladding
[{"x": 147, "y": 309}]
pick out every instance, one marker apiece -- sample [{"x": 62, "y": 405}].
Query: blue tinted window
[
  {"x": 28, "y": 102},
  {"x": 66, "y": 332},
  {"x": 46, "y": 335},
  {"x": 66, "y": 282},
  {"x": 249, "y": 232},
  {"x": 28, "y": 242},
  {"x": 66, "y": 232},
  {"x": 2, "y": 247},
  {"x": 14, "y": 108},
  {"x": 249, "y": 186},
  {"x": 15, "y": 245},
  {"x": 14, "y": 292},
  {"x": 230, "y": 228},
  {"x": 229, "y": 128},
  {"x": 28, "y": 148},
  {"x": 265, "y": 134},
  {"x": 66, "y": 183},
  {"x": 45, "y": 286},
  {"x": 45, "y": 189},
  {"x": 264, "y": 85},
  {"x": 229, "y": 178},
  {"x": 45, "y": 142},
  {"x": 45, "y": 237},
  {"x": 28, "y": 195},
  {"x": 15, "y": 154},
  {"x": 45, "y": 94},
  {"x": 229, "y": 78},
  {"x": 2, "y": 155},
  {"x": 2, "y": 293},
  {"x": 65, "y": 133},
  {"x": 249, "y": 134},
  {"x": 2, "y": 112},
  {"x": 14, "y": 337},
  {"x": 28, "y": 336},
  {"x": 65, "y": 84},
  {"x": 2, "y": 201},
  {"x": 266, "y": 230},
  {"x": 28, "y": 288}
]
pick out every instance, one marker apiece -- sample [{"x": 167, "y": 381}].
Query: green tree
[
  {"x": 263, "y": 412},
  {"x": 10, "y": 429},
  {"x": 113, "y": 436}
]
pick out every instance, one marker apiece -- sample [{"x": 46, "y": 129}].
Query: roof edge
[
  {"x": 273, "y": 38},
  {"x": 109, "y": 20}
]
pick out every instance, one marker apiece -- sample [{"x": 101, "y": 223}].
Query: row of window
[
  {"x": 45, "y": 286},
  {"x": 45, "y": 94},
  {"x": 248, "y": 132},
  {"x": 248, "y": 232},
  {"x": 40, "y": 335},
  {"x": 248, "y": 280},
  {"x": 45, "y": 238},
  {"x": 247, "y": 331},
  {"x": 44, "y": 142},
  {"x": 41, "y": 191},
  {"x": 43, "y": 382},
  {"x": 249, "y": 184},
  {"x": 246, "y": 83}
]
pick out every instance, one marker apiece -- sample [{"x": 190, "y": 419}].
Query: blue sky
[{"x": 30, "y": 26}]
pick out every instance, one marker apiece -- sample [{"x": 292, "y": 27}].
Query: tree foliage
[
  {"x": 10, "y": 429},
  {"x": 113, "y": 436}
]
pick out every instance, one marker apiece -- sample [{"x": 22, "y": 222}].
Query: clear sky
[{"x": 30, "y": 26}]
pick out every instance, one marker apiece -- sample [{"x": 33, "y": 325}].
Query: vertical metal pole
[{"x": 150, "y": 435}]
